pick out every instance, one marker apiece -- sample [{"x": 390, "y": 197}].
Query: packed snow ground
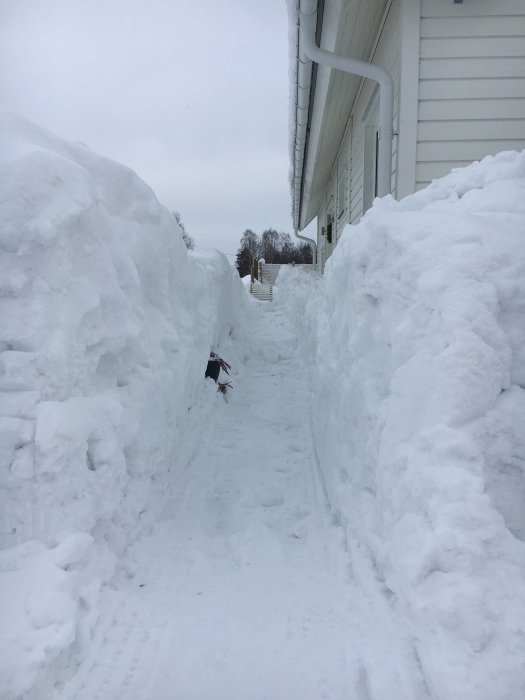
[
  {"x": 242, "y": 590},
  {"x": 246, "y": 588}
]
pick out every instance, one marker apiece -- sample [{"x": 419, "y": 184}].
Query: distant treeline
[{"x": 273, "y": 246}]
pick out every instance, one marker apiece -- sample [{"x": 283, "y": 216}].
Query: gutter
[
  {"x": 308, "y": 53},
  {"x": 306, "y": 78}
]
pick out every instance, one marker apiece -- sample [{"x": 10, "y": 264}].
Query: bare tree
[{"x": 270, "y": 245}]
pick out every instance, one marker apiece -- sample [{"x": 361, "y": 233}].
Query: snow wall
[
  {"x": 415, "y": 337},
  {"x": 107, "y": 324}
]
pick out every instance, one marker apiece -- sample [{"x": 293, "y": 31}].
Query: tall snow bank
[
  {"x": 416, "y": 340},
  {"x": 107, "y": 324}
]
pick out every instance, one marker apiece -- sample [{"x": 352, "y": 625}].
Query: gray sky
[{"x": 192, "y": 95}]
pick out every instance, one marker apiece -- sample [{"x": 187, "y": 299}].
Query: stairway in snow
[{"x": 263, "y": 290}]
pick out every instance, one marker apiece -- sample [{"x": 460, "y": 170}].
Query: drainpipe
[
  {"x": 309, "y": 51},
  {"x": 313, "y": 245}
]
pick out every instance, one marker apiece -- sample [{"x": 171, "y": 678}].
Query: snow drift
[
  {"x": 107, "y": 323},
  {"x": 416, "y": 341}
]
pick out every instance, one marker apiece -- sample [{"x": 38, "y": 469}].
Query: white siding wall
[
  {"x": 408, "y": 98},
  {"x": 336, "y": 201},
  {"x": 387, "y": 54},
  {"x": 471, "y": 83},
  {"x": 327, "y": 208},
  {"x": 344, "y": 175}
]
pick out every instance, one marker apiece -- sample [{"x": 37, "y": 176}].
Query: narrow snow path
[{"x": 244, "y": 593}]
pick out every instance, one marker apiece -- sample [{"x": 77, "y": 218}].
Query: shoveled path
[{"x": 245, "y": 592}]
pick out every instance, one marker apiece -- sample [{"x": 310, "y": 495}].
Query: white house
[{"x": 434, "y": 84}]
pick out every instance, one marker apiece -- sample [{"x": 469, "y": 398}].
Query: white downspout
[
  {"x": 313, "y": 244},
  {"x": 308, "y": 50}
]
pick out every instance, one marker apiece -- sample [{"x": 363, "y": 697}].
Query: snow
[
  {"x": 107, "y": 325},
  {"x": 346, "y": 522},
  {"x": 240, "y": 592},
  {"x": 415, "y": 341}
]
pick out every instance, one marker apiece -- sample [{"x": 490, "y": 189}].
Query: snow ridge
[
  {"x": 107, "y": 323},
  {"x": 415, "y": 338}
]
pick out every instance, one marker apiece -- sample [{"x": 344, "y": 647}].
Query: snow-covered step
[
  {"x": 269, "y": 272},
  {"x": 261, "y": 291}
]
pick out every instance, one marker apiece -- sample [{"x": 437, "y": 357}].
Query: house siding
[
  {"x": 336, "y": 198},
  {"x": 471, "y": 83},
  {"x": 459, "y": 95},
  {"x": 351, "y": 156},
  {"x": 328, "y": 207},
  {"x": 408, "y": 98}
]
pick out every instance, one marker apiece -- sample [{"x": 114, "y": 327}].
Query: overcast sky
[{"x": 192, "y": 95}]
